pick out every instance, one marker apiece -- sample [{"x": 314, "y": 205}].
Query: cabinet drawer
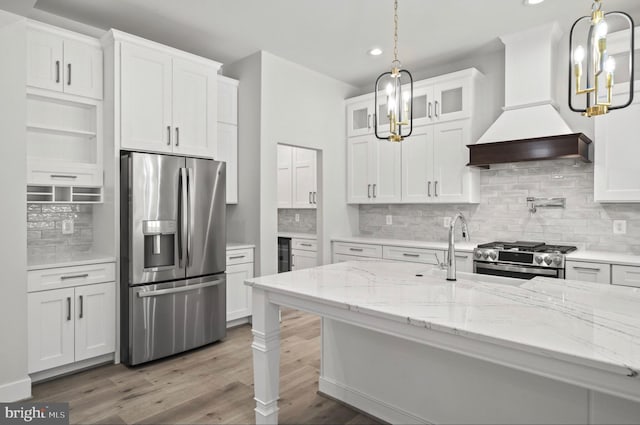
[
  {"x": 50, "y": 174},
  {"x": 464, "y": 262},
  {"x": 588, "y": 272},
  {"x": 358, "y": 249},
  {"x": 65, "y": 277},
  {"x": 304, "y": 244},
  {"x": 414, "y": 255},
  {"x": 341, "y": 258},
  {"x": 625, "y": 275},
  {"x": 239, "y": 256}
]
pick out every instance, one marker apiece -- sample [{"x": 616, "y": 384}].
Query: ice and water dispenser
[{"x": 159, "y": 244}]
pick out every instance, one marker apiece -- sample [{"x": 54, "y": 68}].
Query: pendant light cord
[{"x": 395, "y": 62}]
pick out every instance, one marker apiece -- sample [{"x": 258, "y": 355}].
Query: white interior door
[
  {"x": 451, "y": 156},
  {"x": 304, "y": 178},
  {"x": 44, "y": 60},
  {"x": 95, "y": 320},
  {"x": 387, "y": 164},
  {"x": 82, "y": 69},
  {"x": 285, "y": 176},
  {"x": 359, "y": 164},
  {"x": 50, "y": 329},
  {"x": 146, "y": 122},
  {"x": 417, "y": 166},
  {"x": 238, "y": 294},
  {"x": 195, "y": 107}
]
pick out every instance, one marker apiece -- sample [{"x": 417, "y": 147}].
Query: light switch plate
[
  {"x": 297, "y": 218},
  {"x": 619, "y": 227},
  {"x": 446, "y": 222},
  {"x": 389, "y": 220},
  {"x": 67, "y": 227}
]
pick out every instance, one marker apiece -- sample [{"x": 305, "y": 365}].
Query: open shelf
[
  {"x": 60, "y": 131},
  {"x": 64, "y": 194}
]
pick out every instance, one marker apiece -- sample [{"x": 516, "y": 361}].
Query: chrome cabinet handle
[
  {"x": 305, "y": 244},
  {"x": 168, "y": 135},
  {"x": 369, "y": 191},
  {"x": 177, "y": 136},
  {"x": 57, "y": 71},
  {"x": 81, "y": 306},
  {"x": 435, "y": 189},
  {"x": 588, "y": 269},
  {"x": 406, "y": 254},
  {"x": 310, "y": 197},
  {"x": 464, "y": 257},
  {"x": 429, "y": 109},
  {"x": 63, "y": 176},
  {"x": 74, "y": 276},
  {"x": 68, "y": 74},
  {"x": 374, "y": 190},
  {"x": 429, "y": 189},
  {"x": 436, "y": 109},
  {"x": 293, "y": 263},
  {"x": 369, "y": 121},
  {"x": 68, "y": 309},
  {"x": 236, "y": 257},
  {"x": 356, "y": 249},
  {"x": 315, "y": 197}
]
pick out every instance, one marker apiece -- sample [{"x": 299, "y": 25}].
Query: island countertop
[{"x": 596, "y": 326}]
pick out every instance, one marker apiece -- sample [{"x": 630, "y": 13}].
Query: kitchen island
[{"x": 405, "y": 345}]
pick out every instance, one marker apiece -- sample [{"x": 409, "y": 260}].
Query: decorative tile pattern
[
  {"x": 503, "y": 212},
  {"x": 287, "y": 222},
  {"x": 44, "y": 229}
]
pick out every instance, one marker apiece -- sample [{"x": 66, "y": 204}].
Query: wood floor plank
[{"x": 210, "y": 385}]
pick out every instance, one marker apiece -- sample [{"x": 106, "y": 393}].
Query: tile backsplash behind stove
[
  {"x": 503, "y": 213},
  {"x": 44, "y": 229}
]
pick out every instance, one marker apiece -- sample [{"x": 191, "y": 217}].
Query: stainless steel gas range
[{"x": 521, "y": 259}]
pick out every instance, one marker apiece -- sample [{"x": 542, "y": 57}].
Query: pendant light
[
  {"x": 394, "y": 97},
  {"x": 600, "y": 66}
]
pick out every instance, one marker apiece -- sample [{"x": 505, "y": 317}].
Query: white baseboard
[
  {"x": 366, "y": 403},
  {"x": 15, "y": 391},
  {"x": 238, "y": 322},
  {"x": 45, "y": 375}
]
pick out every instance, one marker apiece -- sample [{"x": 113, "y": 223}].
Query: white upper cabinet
[
  {"x": 63, "y": 61},
  {"x": 360, "y": 117},
  {"x": 417, "y": 166},
  {"x": 616, "y": 167},
  {"x": 297, "y": 184},
  {"x": 227, "y": 100},
  {"x": 165, "y": 100},
  {"x": 373, "y": 171},
  {"x": 452, "y": 99},
  {"x": 228, "y": 133},
  {"x": 359, "y": 164},
  {"x": 285, "y": 176},
  {"x": 453, "y": 181}
]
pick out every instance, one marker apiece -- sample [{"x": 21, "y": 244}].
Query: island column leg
[{"x": 266, "y": 357}]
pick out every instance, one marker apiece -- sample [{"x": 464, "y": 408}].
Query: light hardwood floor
[{"x": 212, "y": 385}]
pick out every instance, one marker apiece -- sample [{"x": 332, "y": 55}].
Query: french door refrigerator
[{"x": 172, "y": 253}]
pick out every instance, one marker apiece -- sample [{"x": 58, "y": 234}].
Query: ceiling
[{"x": 329, "y": 36}]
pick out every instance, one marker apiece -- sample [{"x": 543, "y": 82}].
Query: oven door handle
[{"x": 517, "y": 269}]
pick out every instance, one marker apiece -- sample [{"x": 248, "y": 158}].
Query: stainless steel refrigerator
[{"x": 172, "y": 252}]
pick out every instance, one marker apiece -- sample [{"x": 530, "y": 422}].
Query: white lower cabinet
[
  {"x": 625, "y": 275},
  {"x": 464, "y": 262},
  {"x": 303, "y": 259},
  {"x": 588, "y": 272},
  {"x": 239, "y": 269},
  {"x": 70, "y": 324}
]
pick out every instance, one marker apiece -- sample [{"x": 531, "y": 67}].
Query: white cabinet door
[
  {"x": 195, "y": 107},
  {"x": 452, "y": 100},
  {"x": 285, "y": 176},
  {"x": 359, "y": 163},
  {"x": 450, "y": 158},
  {"x": 228, "y": 152},
  {"x": 50, "y": 329},
  {"x": 588, "y": 272},
  {"x": 304, "y": 178},
  {"x": 616, "y": 177},
  {"x": 625, "y": 275},
  {"x": 360, "y": 118},
  {"x": 82, "y": 69},
  {"x": 95, "y": 321},
  {"x": 146, "y": 122},
  {"x": 227, "y": 100},
  {"x": 303, "y": 259},
  {"x": 44, "y": 60},
  {"x": 387, "y": 173},
  {"x": 417, "y": 166},
  {"x": 238, "y": 294}
]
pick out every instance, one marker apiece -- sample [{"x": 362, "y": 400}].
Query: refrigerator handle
[
  {"x": 183, "y": 212},
  {"x": 191, "y": 212}
]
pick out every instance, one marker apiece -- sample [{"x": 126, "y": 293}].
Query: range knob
[
  {"x": 477, "y": 254},
  {"x": 493, "y": 255},
  {"x": 538, "y": 259},
  {"x": 548, "y": 260},
  {"x": 557, "y": 260},
  {"x": 485, "y": 255}
]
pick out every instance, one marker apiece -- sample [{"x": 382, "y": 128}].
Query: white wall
[{"x": 14, "y": 381}]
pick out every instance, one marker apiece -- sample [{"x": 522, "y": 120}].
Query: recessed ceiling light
[
  {"x": 532, "y": 2},
  {"x": 375, "y": 52}
]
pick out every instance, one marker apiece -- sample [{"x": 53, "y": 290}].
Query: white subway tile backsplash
[{"x": 287, "y": 222}]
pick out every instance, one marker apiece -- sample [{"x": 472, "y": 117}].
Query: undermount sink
[{"x": 484, "y": 278}]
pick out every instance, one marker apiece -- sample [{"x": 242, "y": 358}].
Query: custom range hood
[{"x": 530, "y": 128}]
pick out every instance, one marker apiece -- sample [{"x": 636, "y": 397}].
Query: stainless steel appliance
[
  {"x": 521, "y": 259},
  {"x": 284, "y": 254},
  {"x": 173, "y": 243}
]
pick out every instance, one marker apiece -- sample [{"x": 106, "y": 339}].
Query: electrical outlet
[
  {"x": 297, "y": 218},
  {"x": 389, "y": 220},
  {"x": 67, "y": 227},
  {"x": 619, "y": 227},
  {"x": 446, "y": 222}
]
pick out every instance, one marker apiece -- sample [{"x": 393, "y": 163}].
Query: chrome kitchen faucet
[{"x": 451, "y": 260}]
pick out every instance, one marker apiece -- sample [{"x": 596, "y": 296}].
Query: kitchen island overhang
[{"x": 571, "y": 332}]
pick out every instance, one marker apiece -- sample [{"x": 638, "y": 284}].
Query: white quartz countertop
[
  {"x": 67, "y": 260},
  {"x": 605, "y": 257},
  {"x": 294, "y": 235},
  {"x": 461, "y": 245},
  {"x": 239, "y": 245},
  {"x": 591, "y": 325}
]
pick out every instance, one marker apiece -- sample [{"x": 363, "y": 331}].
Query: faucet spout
[{"x": 451, "y": 254}]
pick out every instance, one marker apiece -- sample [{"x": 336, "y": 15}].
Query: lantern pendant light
[
  {"x": 394, "y": 97},
  {"x": 600, "y": 67}
]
